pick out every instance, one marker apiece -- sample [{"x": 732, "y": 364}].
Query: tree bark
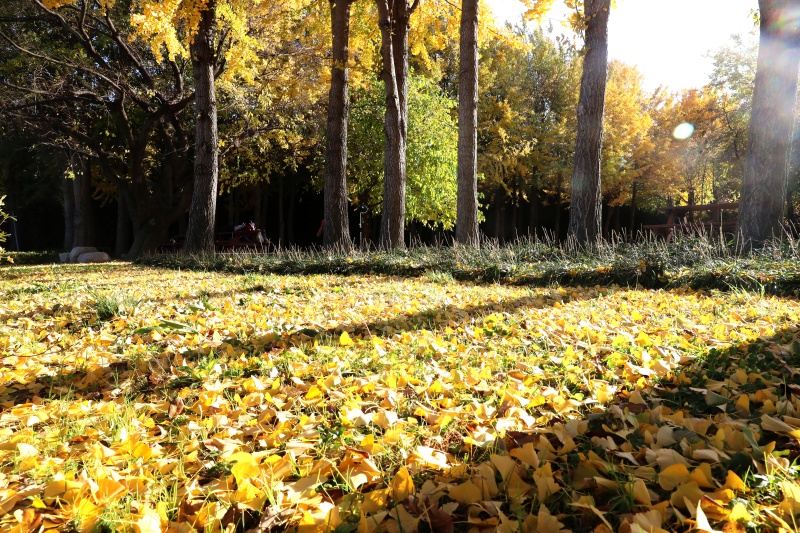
[
  {"x": 394, "y": 25},
  {"x": 586, "y": 209},
  {"x": 123, "y": 225},
  {"x": 336, "y": 231},
  {"x": 151, "y": 232},
  {"x": 69, "y": 213},
  {"x": 82, "y": 191},
  {"x": 766, "y": 169},
  {"x": 202, "y": 213},
  {"x": 467, "y": 196}
]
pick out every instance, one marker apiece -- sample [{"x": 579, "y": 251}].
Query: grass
[{"x": 695, "y": 261}]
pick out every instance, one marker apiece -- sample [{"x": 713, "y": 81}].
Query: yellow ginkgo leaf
[
  {"x": 734, "y": 482},
  {"x": 345, "y": 340},
  {"x": 245, "y": 467},
  {"x": 688, "y": 492},
  {"x": 375, "y": 501},
  {"x": 87, "y": 515},
  {"x": 148, "y": 522},
  {"x": 740, "y": 512},
  {"x": 402, "y": 485},
  {"x": 466, "y": 493},
  {"x": 672, "y": 476},
  {"x": 505, "y": 465}
]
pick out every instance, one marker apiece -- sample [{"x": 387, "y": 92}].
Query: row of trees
[{"x": 115, "y": 88}]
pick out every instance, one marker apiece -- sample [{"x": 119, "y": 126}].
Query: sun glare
[{"x": 683, "y": 131}]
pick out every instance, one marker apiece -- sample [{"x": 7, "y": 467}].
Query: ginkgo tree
[
  {"x": 771, "y": 124},
  {"x": 590, "y": 19},
  {"x": 222, "y": 39}
]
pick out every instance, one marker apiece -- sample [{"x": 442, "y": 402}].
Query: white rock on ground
[
  {"x": 78, "y": 251},
  {"x": 94, "y": 257}
]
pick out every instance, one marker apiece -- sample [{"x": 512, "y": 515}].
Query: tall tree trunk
[
  {"x": 83, "y": 198},
  {"x": 148, "y": 235},
  {"x": 586, "y": 209},
  {"x": 123, "y": 225},
  {"x": 336, "y": 231},
  {"x": 394, "y": 25},
  {"x": 467, "y": 202},
  {"x": 401, "y": 23},
  {"x": 68, "y": 187},
  {"x": 90, "y": 218},
  {"x": 766, "y": 168},
  {"x": 202, "y": 213}
]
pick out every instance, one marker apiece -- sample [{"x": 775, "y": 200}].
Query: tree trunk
[
  {"x": 148, "y": 235},
  {"x": 394, "y": 24},
  {"x": 202, "y": 213},
  {"x": 769, "y": 137},
  {"x": 586, "y": 209},
  {"x": 467, "y": 203},
  {"x": 401, "y": 23},
  {"x": 123, "y": 225},
  {"x": 89, "y": 215},
  {"x": 68, "y": 187},
  {"x": 82, "y": 193},
  {"x": 336, "y": 231}
]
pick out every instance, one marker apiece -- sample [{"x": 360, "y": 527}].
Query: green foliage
[
  {"x": 526, "y": 134},
  {"x": 432, "y": 154},
  {"x": 30, "y": 258}
]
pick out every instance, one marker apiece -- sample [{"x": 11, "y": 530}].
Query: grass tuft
[{"x": 700, "y": 262}]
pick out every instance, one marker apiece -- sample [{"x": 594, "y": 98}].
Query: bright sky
[{"x": 666, "y": 40}]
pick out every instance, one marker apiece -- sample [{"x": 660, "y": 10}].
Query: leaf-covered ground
[{"x": 148, "y": 400}]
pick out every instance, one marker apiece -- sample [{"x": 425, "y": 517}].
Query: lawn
[{"x": 144, "y": 399}]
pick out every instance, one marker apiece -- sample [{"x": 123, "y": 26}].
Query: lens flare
[{"x": 683, "y": 131}]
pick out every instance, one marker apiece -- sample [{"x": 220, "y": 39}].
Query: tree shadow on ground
[
  {"x": 16, "y": 392},
  {"x": 698, "y": 400}
]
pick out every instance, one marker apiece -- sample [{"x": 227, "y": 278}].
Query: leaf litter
[{"x": 210, "y": 402}]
